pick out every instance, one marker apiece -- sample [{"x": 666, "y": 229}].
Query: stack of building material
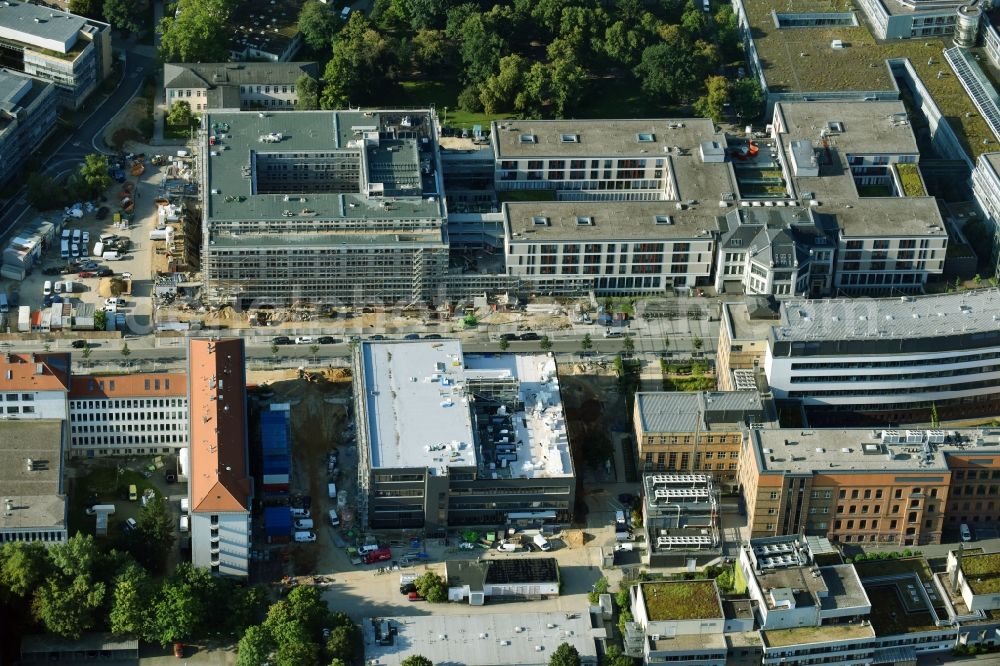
[{"x": 275, "y": 435}]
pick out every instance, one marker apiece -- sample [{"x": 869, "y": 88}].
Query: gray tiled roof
[
  {"x": 690, "y": 412},
  {"x": 213, "y": 74}
]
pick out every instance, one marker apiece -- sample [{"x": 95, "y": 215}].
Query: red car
[
  {"x": 380, "y": 555},
  {"x": 413, "y": 596},
  {"x": 86, "y": 274}
]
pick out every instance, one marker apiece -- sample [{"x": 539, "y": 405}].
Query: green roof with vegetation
[
  {"x": 681, "y": 600},
  {"x": 909, "y": 177},
  {"x": 802, "y": 60},
  {"x": 982, "y": 572},
  {"x": 889, "y": 616},
  {"x": 917, "y": 565},
  {"x": 823, "y": 634}
]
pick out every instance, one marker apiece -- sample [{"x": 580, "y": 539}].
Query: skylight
[
  {"x": 528, "y": 138},
  {"x": 664, "y": 219},
  {"x": 645, "y": 137},
  {"x": 569, "y": 138},
  {"x": 540, "y": 221},
  {"x": 584, "y": 221}
]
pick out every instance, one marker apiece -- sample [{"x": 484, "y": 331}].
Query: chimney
[{"x": 958, "y": 567}]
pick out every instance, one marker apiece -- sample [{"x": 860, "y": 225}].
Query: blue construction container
[{"x": 278, "y": 523}]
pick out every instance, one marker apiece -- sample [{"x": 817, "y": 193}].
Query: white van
[
  {"x": 965, "y": 532},
  {"x": 334, "y": 518},
  {"x": 345, "y": 13},
  {"x": 111, "y": 256},
  {"x": 508, "y": 547},
  {"x": 185, "y": 505},
  {"x": 542, "y": 543},
  {"x": 98, "y": 249},
  {"x": 64, "y": 249},
  {"x": 305, "y": 537},
  {"x": 301, "y": 513},
  {"x": 101, "y": 508},
  {"x": 331, "y": 490},
  {"x": 47, "y": 288},
  {"x": 185, "y": 524},
  {"x": 304, "y": 524}
]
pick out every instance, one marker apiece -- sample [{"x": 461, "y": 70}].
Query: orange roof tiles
[
  {"x": 34, "y": 372},
  {"x": 217, "y": 420},
  {"x": 142, "y": 385}
]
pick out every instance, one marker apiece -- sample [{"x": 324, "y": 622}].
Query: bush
[{"x": 600, "y": 587}]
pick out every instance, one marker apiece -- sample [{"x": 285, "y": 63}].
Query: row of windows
[
  {"x": 139, "y": 427},
  {"x": 139, "y": 403},
  {"x": 101, "y": 416},
  {"x": 114, "y": 440},
  {"x": 14, "y": 397},
  {"x": 901, "y": 390},
  {"x": 26, "y": 409},
  {"x": 48, "y": 536}
]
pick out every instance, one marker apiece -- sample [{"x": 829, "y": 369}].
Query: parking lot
[{"x": 137, "y": 260}]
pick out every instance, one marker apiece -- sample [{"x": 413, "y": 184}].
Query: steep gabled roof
[
  {"x": 34, "y": 372},
  {"x": 220, "y": 479}
]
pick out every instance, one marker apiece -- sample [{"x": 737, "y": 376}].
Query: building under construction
[{"x": 336, "y": 207}]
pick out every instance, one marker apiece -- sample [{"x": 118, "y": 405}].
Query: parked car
[
  {"x": 380, "y": 555},
  {"x": 432, "y": 336},
  {"x": 79, "y": 344},
  {"x": 376, "y": 337},
  {"x": 85, "y": 237},
  {"x": 613, "y": 334},
  {"x": 86, "y": 274},
  {"x": 104, "y": 271},
  {"x": 411, "y": 336},
  {"x": 47, "y": 288},
  {"x": 304, "y": 340},
  {"x": 326, "y": 340},
  {"x": 130, "y": 526},
  {"x": 508, "y": 336},
  {"x": 282, "y": 340},
  {"x": 965, "y": 532},
  {"x": 530, "y": 335},
  {"x": 305, "y": 537},
  {"x": 368, "y": 548},
  {"x": 126, "y": 275},
  {"x": 120, "y": 302},
  {"x": 414, "y": 596},
  {"x": 304, "y": 524},
  {"x": 133, "y": 493}
]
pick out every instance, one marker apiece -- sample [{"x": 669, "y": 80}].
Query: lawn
[
  {"x": 177, "y": 131},
  {"x": 108, "y": 485},
  {"x": 444, "y": 96},
  {"x": 982, "y": 572},
  {"x": 682, "y": 600}
]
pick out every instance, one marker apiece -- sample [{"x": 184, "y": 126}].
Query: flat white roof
[
  {"x": 540, "y": 430},
  {"x": 418, "y": 414},
  {"x": 482, "y": 639}
]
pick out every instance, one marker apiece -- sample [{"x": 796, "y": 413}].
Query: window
[
  {"x": 774, "y": 495},
  {"x": 569, "y": 138}
]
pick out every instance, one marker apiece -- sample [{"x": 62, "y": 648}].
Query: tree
[
  {"x": 545, "y": 343},
  {"x": 274, "y": 350},
  {"x": 600, "y": 587},
  {"x": 712, "y": 104},
  {"x": 697, "y": 342},
  {"x": 586, "y": 343},
  {"x": 615, "y": 657},
  {"x": 416, "y": 660},
  {"x": 504, "y": 344},
  {"x": 125, "y": 351},
  {"x": 100, "y": 320},
  {"x": 88, "y": 8},
  {"x": 359, "y": 66},
  {"x": 499, "y": 91},
  {"x": 427, "y": 13},
  {"x": 307, "y": 89},
  {"x": 481, "y": 49},
  {"x": 318, "y": 23},
  {"x": 431, "y": 50},
  {"x": 746, "y": 98},
  {"x": 565, "y": 655},
  {"x": 67, "y": 605},
  {"x": 44, "y": 192},
  {"x": 155, "y": 535},
  {"x": 87, "y": 351},
  {"x": 179, "y": 610},
  {"x": 314, "y": 349},
  {"x": 180, "y": 114},
  {"x": 94, "y": 174},
  {"x": 668, "y": 69},
  {"x": 255, "y": 647},
  {"x": 432, "y": 587},
  {"x": 197, "y": 33},
  {"x": 125, "y": 15},
  {"x": 23, "y": 565},
  {"x": 131, "y": 599},
  {"x": 342, "y": 643},
  {"x": 628, "y": 344},
  {"x": 567, "y": 84},
  {"x": 935, "y": 419}
]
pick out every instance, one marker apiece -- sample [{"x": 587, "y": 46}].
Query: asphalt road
[{"x": 86, "y": 138}]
